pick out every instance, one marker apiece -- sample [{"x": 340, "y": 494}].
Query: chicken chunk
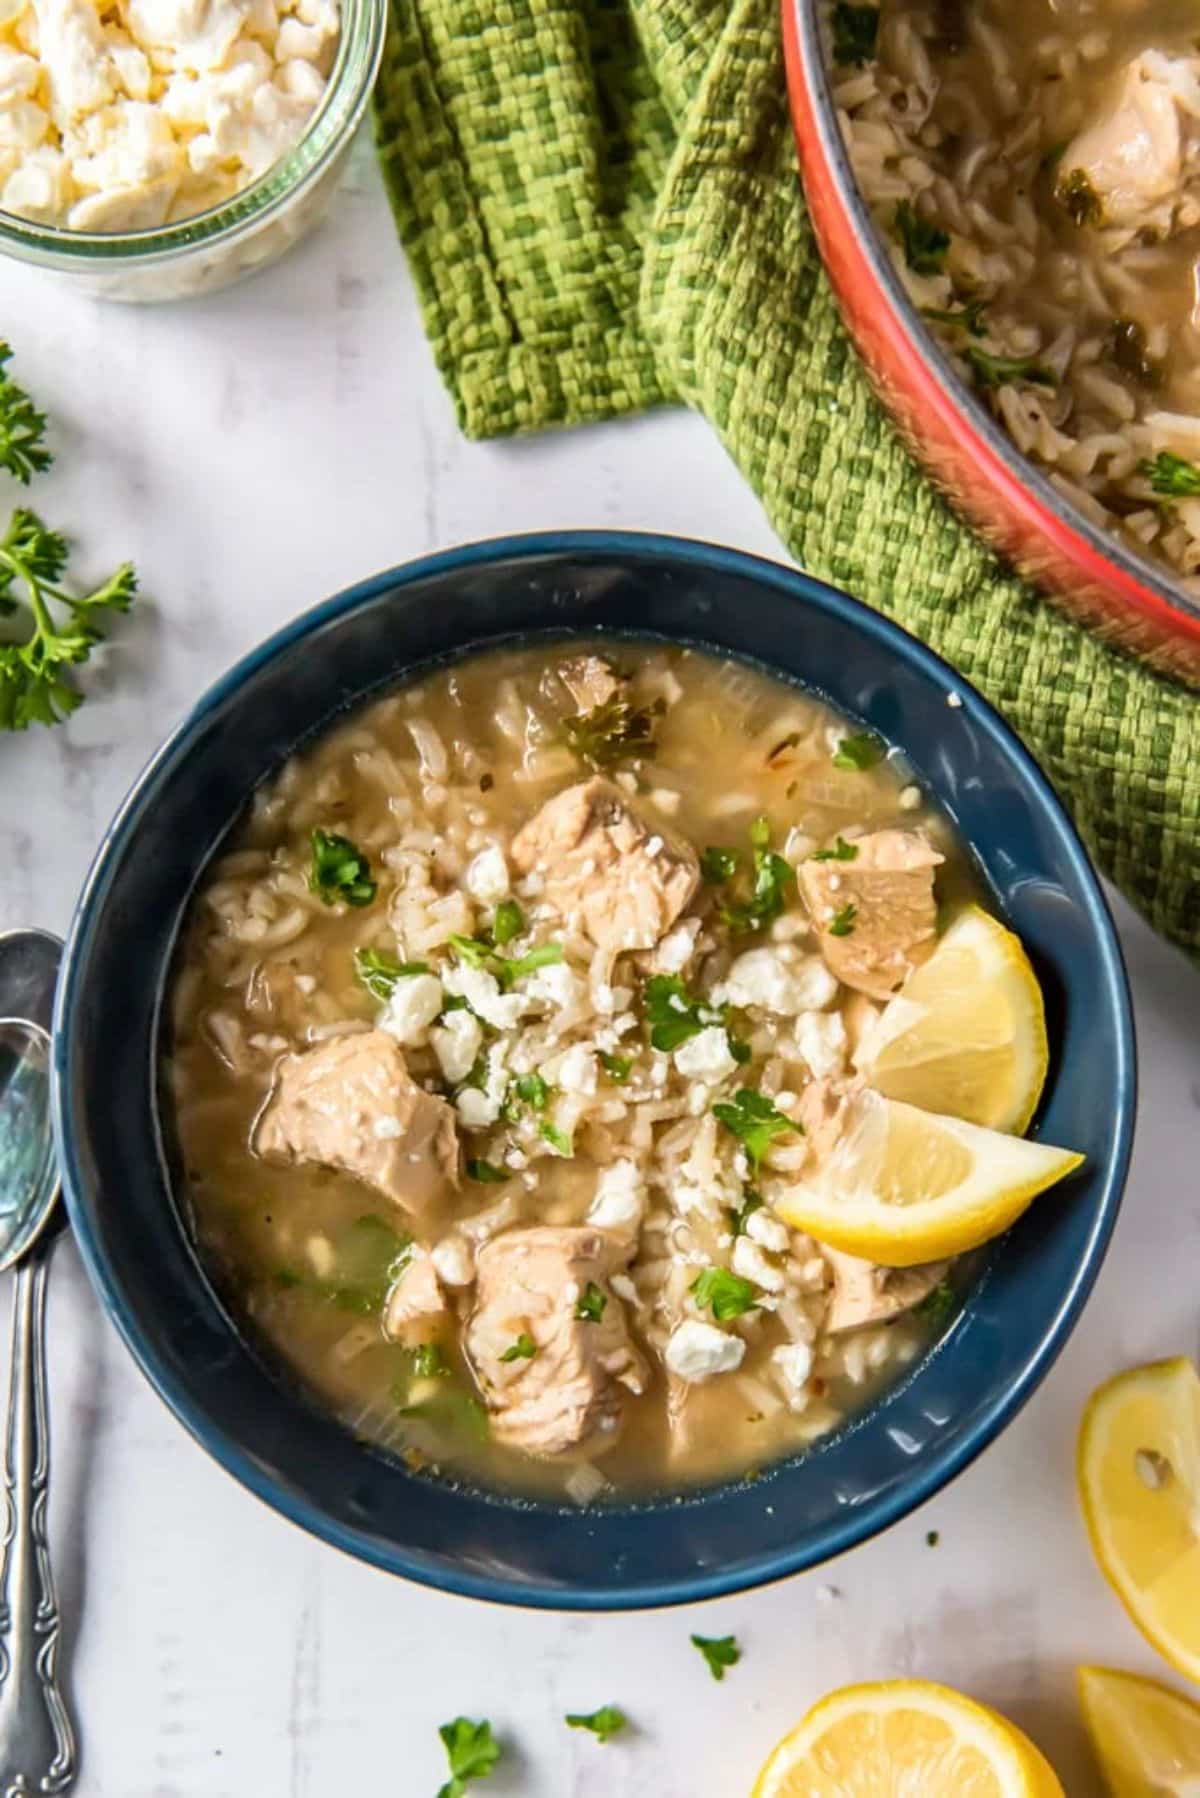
[
  {"x": 590, "y": 680},
  {"x": 624, "y": 882},
  {"x": 1130, "y": 160},
  {"x": 416, "y": 1303},
  {"x": 821, "y": 1114},
  {"x": 550, "y": 1285},
  {"x": 865, "y": 1294},
  {"x": 352, "y": 1104},
  {"x": 875, "y": 917}
]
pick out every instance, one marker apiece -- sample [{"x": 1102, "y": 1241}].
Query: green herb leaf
[
  {"x": 605, "y": 1723},
  {"x": 719, "y": 865},
  {"x": 752, "y": 1201},
  {"x": 473, "y": 951},
  {"x": 724, "y": 1293},
  {"x": 472, "y": 1752},
  {"x": 590, "y": 1304},
  {"x": 855, "y": 30},
  {"x": 854, "y": 753},
  {"x": 611, "y": 733},
  {"x": 673, "y": 1014},
  {"x": 516, "y": 967},
  {"x": 508, "y": 922},
  {"x": 428, "y": 1361},
  {"x": 720, "y": 1652},
  {"x": 772, "y": 877},
  {"x": 533, "y": 1089},
  {"x": 1079, "y": 199},
  {"x": 968, "y": 317},
  {"x": 842, "y": 851},
  {"x": 379, "y": 972},
  {"x": 1173, "y": 476},
  {"x": 523, "y": 1349},
  {"x": 34, "y": 688},
  {"x": 938, "y": 1306},
  {"x": 22, "y": 428},
  {"x": 842, "y": 921},
  {"x": 994, "y": 371},
  {"x": 755, "y": 1121},
  {"x": 339, "y": 871},
  {"x": 558, "y": 1139},
  {"x": 617, "y": 1067},
  {"x": 487, "y": 1173},
  {"x": 924, "y": 244}
]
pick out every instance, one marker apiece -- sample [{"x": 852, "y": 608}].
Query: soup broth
[{"x": 554, "y": 1266}]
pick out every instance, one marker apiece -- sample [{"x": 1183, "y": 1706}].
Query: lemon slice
[
  {"x": 902, "y": 1186},
  {"x": 905, "y": 1736},
  {"x": 1146, "y": 1737},
  {"x": 1139, "y": 1484},
  {"x": 966, "y": 1033}
]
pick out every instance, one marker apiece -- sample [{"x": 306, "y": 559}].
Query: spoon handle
[{"x": 37, "y": 1743}]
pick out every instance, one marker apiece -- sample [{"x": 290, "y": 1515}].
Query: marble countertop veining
[{"x": 252, "y": 453}]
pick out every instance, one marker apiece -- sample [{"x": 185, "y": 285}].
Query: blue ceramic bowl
[{"x": 242, "y": 1406}]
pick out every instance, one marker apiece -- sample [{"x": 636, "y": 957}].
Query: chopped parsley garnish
[
  {"x": 968, "y": 317},
  {"x": 506, "y": 968},
  {"x": 617, "y": 1067},
  {"x": 558, "y": 1139},
  {"x": 855, "y": 753},
  {"x": 719, "y": 865},
  {"x": 508, "y": 922},
  {"x": 1130, "y": 354},
  {"x": 1079, "y": 199},
  {"x": 611, "y": 733},
  {"x": 472, "y": 1752},
  {"x": 487, "y": 1173},
  {"x": 924, "y": 244},
  {"x": 1172, "y": 476},
  {"x": 22, "y": 427},
  {"x": 589, "y": 1306},
  {"x": 993, "y": 371},
  {"x": 855, "y": 29},
  {"x": 428, "y": 1361},
  {"x": 673, "y": 1015},
  {"x": 842, "y": 851},
  {"x": 379, "y": 972},
  {"x": 724, "y": 1293},
  {"x": 938, "y": 1306},
  {"x": 932, "y": 1538},
  {"x": 523, "y": 1349},
  {"x": 842, "y": 921},
  {"x": 606, "y": 1722},
  {"x": 339, "y": 871},
  {"x": 772, "y": 876},
  {"x": 755, "y": 1121},
  {"x": 533, "y": 1090},
  {"x": 719, "y": 1651},
  {"x": 752, "y": 1201},
  {"x": 369, "y": 1256},
  {"x": 34, "y": 688}
]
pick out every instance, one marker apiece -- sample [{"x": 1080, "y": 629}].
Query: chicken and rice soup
[
  {"x": 499, "y": 1024},
  {"x": 1036, "y": 170}
]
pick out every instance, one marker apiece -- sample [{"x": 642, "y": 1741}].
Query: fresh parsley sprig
[
  {"x": 755, "y": 1121},
  {"x": 1174, "y": 477},
  {"x": 724, "y": 1293},
  {"x": 720, "y": 1652},
  {"x": 472, "y": 1752},
  {"x": 22, "y": 428},
  {"x": 771, "y": 878},
  {"x": 339, "y": 870}
]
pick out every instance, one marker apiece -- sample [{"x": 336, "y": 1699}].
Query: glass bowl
[{"x": 211, "y": 249}]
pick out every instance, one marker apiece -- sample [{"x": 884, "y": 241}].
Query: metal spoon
[{"x": 37, "y": 1742}]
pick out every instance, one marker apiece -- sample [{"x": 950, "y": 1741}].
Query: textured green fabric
[{"x": 600, "y": 204}]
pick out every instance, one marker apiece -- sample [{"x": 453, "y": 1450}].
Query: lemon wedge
[
  {"x": 905, "y": 1736},
  {"x": 1146, "y": 1737},
  {"x": 966, "y": 1033},
  {"x": 1139, "y": 1484},
  {"x": 902, "y": 1186}
]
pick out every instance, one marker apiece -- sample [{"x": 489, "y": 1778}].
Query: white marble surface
[{"x": 253, "y": 453}]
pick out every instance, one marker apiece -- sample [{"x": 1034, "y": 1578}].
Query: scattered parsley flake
[
  {"x": 509, "y": 922},
  {"x": 755, "y": 1121},
  {"x": 429, "y": 1361},
  {"x": 339, "y": 871},
  {"x": 724, "y": 1293},
  {"x": 719, "y": 865},
  {"x": 719, "y": 1651},
  {"x": 968, "y": 317},
  {"x": 855, "y": 753},
  {"x": 558, "y": 1139},
  {"x": 772, "y": 876},
  {"x": 842, "y": 921},
  {"x": 523, "y": 1349},
  {"x": 487, "y": 1173},
  {"x": 472, "y": 1752},
  {"x": 379, "y": 972},
  {"x": 752, "y": 1201},
  {"x": 605, "y": 1723},
  {"x": 938, "y": 1306},
  {"x": 611, "y": 733},
  {"x": 924, "y": 244},
  {"x": 993, "y": 371},
  {"x": 589, "y": 1306},
  {"x": 617, "y": 1067},
  {"x": 1079, "y": 199},
  {"x": 842, "y": 851},
  {"x": 673, "y": 1014},
  {"x": 1172, "y": 476}
]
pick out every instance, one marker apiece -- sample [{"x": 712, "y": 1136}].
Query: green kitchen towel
[{"x": 600, "y": 203}]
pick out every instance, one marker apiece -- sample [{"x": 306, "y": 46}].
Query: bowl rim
[
  {"x": 1144, "y": 584},
  {"x": 863, "y": 1521}
]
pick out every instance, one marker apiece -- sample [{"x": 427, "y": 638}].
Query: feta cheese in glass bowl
[{"x": 157, "y": 149}]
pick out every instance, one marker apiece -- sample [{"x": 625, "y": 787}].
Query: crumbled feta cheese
[
  {"x": 698, "y": 1350},
  {"x": 768, "y": 1230},
  {"x": 767, "y": 979},
  {"x": 910, "y": 799},
  {"x": 821, "y": 1040},
  {"x": 677, "y": 947},
  {"x": 454, "y": 1260},
  {"x": 456, "y": 1043},
  {"x": 706, "y": 1056},
  {"x": 476, "y": 1110},
  {"x": 620, "y": 1199},
  {"x": 486, "y": 878},
  {"x": 794, "y": 1362},
  {"x": 387, "y": 1129},
  {"x": 481, "y": 991},
  {"x": 954, "y": 700},
  {"x": 577, "y": 1070},
  {"x": 556, "y": 986},
  {"x": 750, "y": 1262},
  {"x": 413, "y": 1004}
]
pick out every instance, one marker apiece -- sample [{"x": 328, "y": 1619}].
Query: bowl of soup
[
  {"x": 460, "y": 1007},
  {"x": 1005, "y": 202}
]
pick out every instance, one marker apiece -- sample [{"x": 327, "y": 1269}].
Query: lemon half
[
  {"x": 1146, "y": 1737},
  {"x": 905, "y": 1736},
  {"x": 1139, "y": 1484},
  {"x": 966, "y": 1033},
  {"x": 903, "y": 1186}
]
